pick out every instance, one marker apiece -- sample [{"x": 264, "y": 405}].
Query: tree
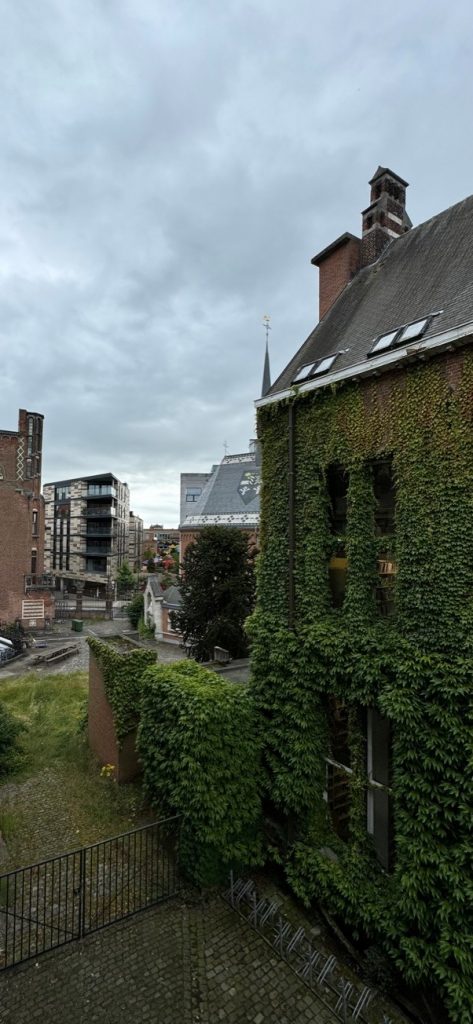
[
  {"x": 125, "y": 577},
  {"x": 218, "y": 592},
  {"x": 135, "y": 610},
  {"x": 150, "y": 565}
]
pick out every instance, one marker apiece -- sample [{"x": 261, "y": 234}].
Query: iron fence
[{"x": 62, "y": 899}]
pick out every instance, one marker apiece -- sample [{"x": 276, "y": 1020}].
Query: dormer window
[{"x": 310, "y": 370}]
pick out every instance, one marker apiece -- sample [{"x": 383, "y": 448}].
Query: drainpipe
[{"x": 291, "y": 504}]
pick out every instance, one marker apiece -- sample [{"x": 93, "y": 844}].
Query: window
[
  {"x": 62, "y": 493},
  {"x": 385, "y": 496},
  {"x": 384, "y": 489},
  {"x": 401, "y": 335},
  {"x": 383, "y": 342},
  {"x": 193, "y": 493},
  {"x": 379, "y": 799},
  {"x": 377, "y": 733},
  {"x": 414, "y": 330},
  {"x": 337, "y": 486},
  {"x": 35, "y": 522},
  {"x": 310, "y": 370},
  {"x": 34, "y": 559},
  {"x": 339, "y": 768}
]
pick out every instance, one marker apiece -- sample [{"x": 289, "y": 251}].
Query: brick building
[
  {"x": 87, "y": 527},
  {"x": 25, "y": 591},
  {"x": 362, "y": 656}
]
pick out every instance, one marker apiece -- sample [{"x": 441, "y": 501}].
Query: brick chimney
[
  {"x": 385, "y": 218},
  {"x": 337, "y": 264}
]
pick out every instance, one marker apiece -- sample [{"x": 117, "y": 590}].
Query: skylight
[
  {"x": 384, "y": 342},
  {"x": 305, "y": 371},
  {"x": 402, "y": 334},
  {"x": 310, "y": 370},
  {"x": 414, "y": 330}
]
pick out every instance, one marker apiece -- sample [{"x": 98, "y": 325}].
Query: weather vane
[{"x": 267, "y": 325}]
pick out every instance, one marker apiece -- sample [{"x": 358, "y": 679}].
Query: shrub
[
  {"x": 135, "y": 610},
  {"x": 199, "y": 747}
]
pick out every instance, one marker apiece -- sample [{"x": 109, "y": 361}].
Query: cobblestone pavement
[{"x": 192, "y": 962}]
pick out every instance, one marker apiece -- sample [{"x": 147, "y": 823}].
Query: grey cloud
[{"x": 167, "y": 171}]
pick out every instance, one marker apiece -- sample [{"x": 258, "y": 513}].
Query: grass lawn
[{"x": 57, "y": 800}]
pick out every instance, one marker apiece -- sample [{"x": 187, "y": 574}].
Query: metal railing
[{"x": 57, "y": 901}]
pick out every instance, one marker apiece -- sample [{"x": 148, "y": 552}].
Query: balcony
[
  {"x": 99, "y": 491},
  {"x": 100, "y": 511},
  {"x": 39, "y": 581},
  {"x": 100, "y": 531},
  {"x": 95, "y": 550}
]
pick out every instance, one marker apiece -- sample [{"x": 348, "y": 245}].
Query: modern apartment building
[
  {"x": 87, "y": 527},
  {"x": 135, "y": 541},
  {"x": 25, "y": 591}
]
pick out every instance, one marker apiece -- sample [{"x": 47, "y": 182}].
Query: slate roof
[
  {"x": 429, "y": 268},
  {"x": 231, "y": 496},
  {"x": 172, "y": 597},
  {"x": 154, "y": 585}
]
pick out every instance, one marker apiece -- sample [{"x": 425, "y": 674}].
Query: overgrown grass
[{"x": 58, "y": 799}]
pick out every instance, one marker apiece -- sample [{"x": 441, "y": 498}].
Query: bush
[
  {"x": 10, "y": 729},
  {"x": 135, "y": 610},
  {"x": 199, "y": 747}
]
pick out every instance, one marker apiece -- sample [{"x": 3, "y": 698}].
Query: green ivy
[
  {"x": 415, "y": 667},
  {"x": 123, "y": 681},
  {"x": 199, "y": 745}
]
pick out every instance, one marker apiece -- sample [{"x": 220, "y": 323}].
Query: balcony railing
[
  {"x": 100, "y": 531},
  {"x": 101, "y": 510},
  {"x": 39, "y": 581},
  {"x": 101, "y": 492}
]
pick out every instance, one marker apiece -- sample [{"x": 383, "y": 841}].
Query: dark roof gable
[{"x": 427, "y": 270}]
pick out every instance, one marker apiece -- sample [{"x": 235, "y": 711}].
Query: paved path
[{"x": 192, "y": 962}]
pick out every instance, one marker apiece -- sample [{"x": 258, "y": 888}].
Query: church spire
[{"x": 266, "y": 371}]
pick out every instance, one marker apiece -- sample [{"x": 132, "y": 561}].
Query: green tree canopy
[
  {"x": 125, "y": 577},
  {"x": 218, "y": 592}
]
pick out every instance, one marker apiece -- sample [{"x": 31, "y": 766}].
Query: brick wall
[
  {"x": 21, "y": 521},
  {"x": 101, "y": 730},
  {"x": 335, "y": 272}
]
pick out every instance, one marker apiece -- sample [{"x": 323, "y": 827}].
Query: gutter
[{"x": 376, "y": 364}]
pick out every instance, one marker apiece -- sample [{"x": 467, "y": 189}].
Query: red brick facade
[
  {"x": 22, "y": 524},
  {"x": 101, "y": 730},
  {"x": 337, "y": 265}
]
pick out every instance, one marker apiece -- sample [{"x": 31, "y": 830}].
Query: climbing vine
[
  {"x": 414, "y": 667},
  {"x": 122, "y": 675},
  {"x": 199, "y": 746}
]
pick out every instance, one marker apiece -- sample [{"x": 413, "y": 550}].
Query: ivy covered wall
[{"x": 414, "y": 667}]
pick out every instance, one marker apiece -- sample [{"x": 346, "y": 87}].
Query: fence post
[{"x": 82, "y": 854}]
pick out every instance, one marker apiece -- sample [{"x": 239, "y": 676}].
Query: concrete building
[
  {"x": 25, "y": 590},
  {"x": 87, "y": 527},
  {"x": 135, "y": 541}
]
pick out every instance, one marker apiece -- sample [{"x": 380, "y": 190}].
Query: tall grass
[{"x": 59, "y": 800}]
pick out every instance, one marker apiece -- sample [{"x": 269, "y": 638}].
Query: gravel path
[{"x": 62, "y": 636}]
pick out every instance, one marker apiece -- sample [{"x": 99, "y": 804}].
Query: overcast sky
[{"x": 167, "y": 170}]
